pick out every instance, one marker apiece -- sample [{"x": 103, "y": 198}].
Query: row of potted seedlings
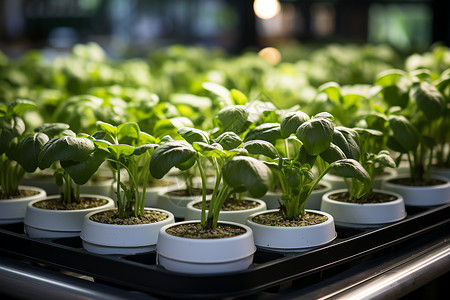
[{"x": 292, "y": 161}]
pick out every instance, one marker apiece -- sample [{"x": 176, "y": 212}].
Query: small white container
[
  {"x": 46, "y": 223},
  {"x": 121, "y": 239},
  {"x": 13, "y": 210},
  {"x": 422, "y": 195},
  {"x": 292, "y": 239},
  {"x": 176, "y": 204},
  {"x": 368, "y": 215},
  {"x": 205, "y": 256}
]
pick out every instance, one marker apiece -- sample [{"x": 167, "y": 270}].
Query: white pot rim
[
  {"x": 67, "y": 211},
  {"x": 413, "y": 187},
  {"x": 232, "y": 245},
  {"x": 330, "y": 219},
  {"x": 389, "y": 203},
  {"x": 41, "y": 193},
  {"x": 191, "y": 204}
]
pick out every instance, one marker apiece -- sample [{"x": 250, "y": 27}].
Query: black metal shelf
[{"x": 269, "y": 269}]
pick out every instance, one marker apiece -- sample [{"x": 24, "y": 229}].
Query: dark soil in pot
[
  {"x": 371, "y": 199},
  {"x": 23, "y": 193},
  {"x": 277, "y": 219},
  {"x": 410, "y": 182},
  {"x": 189, "y": 192},
  {"x": 55, "y": 204},
  {"x": 232, "y": 205},
  {"x": 195, "y": 231},
  {"x": 112, "y": 217}
]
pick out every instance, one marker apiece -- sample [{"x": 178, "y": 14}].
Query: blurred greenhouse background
[{"x": 130, "y": 28}]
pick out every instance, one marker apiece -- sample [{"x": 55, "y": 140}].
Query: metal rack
[{"x": 410, "y": 252}]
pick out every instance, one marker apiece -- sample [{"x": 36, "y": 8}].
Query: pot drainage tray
[{"x": 269, "y": 270}]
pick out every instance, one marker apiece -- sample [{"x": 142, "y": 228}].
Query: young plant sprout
[
  {"x": 294, "y": 171},
  {"x": 127, "y": 148},
  {"x": 235, "y": 172}
]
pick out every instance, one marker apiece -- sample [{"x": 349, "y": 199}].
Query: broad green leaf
[
  {"x": 348, "y": 141},
  {"x": 332, "y": 90},
  {"x": 261, "y": 147},
  {"x": 110, "y": 129},
  {"x": 145, "y": 138},
  {"x": 128, "y": 133},
  {"x": 19, "y": 107},
  {"x": 390, "y": 77},
  {"x": 384, "y": 159},
  {"x": 332, "y": 154},
  {"x": 144, "y": 148},
  {"x": 170, "y": 126},
  {"x": 404, "y": 132},
  {"x": 218, "y": 90},
  {"x": 267, "y": 131},
  {"x": 170, "y": 155},
  {"x": 316, "y": 135},
  {"x": 65, "y": 148},
  {"x": 28, "y": 149},
  {"x": 228, "y": 140},
  {"x": 238, "y": 97},
  {"x": 52, "y": 129},
  {"x": 82, "y": 171},
  {"x": 234, "y": 118},
  {"x": 119, "y": 150},
  {"x": 192, "y": 135},
  {"x": 249, "y": 173},
  {"x": 214, "y": 150},
  {"x": 324, "y": 115},
  {"x": 291, "y": 121},
  {"x": 350, "y": 168},
  {"x": 428, "y": 99}
]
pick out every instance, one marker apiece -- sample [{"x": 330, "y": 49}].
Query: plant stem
[{"x": 203, "y": 176}]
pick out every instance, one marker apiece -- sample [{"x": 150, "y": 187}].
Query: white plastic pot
[
  {"x": 292, "y": 239},
  {"x": 46, "y": 223},
  {"x": 13, "y": 210},
  {"x": 205, "y": 256},
  {"x": 176, "y": 204},
  {"x": 422, "y": 195},
  {"x": 364, "y": 215},
  {"x": 237, "y": 216},
  {"x": 104, "y": 238}
]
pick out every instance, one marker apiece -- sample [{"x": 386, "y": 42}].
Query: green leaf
[
  {"x": 128, "y": 133},
  {"x": 261, "y": 147},
  {"x": 348, "y": 141},
  {"x": 82, "y": 171},
  {"x": 170, "y": 126},
  {"x": 52, "y": 129},
  {"x": 218, "y": 90},
  {"x": 291, "y": 121},
  {"x": 238, "y": 97},
  {"x": 316, "y": 135},
  {"x": 119, "y": 150},
  {"x": 332, "y": 89},
  {"x": 428, "y": 99},
  {"x": 404, "y": 132},
  {"x": 65, "y": 148},
  {"x": 19, "y": 107},
  {"x": 144, "y": 148},
  {"x": 170, "y": 155},
  {"x": 214, "y": 150},
  {"x": 332, "y": 154},
  {"x": 234, "y": 118},
  {"x": 228, "y": 140},
  {"x": 390, "y": 77},
  {"x": 108, "y": 128},
  {"x": 350, "y": 168},
  {"x": 267, "y": 131},
  {"x": 249, "y": 173},
  {"x": 192, "y": 135},
  {"x": 384, "y": 159},
  {"x": 28, "y": 149}
]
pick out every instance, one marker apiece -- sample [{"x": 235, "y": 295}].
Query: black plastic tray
[{"x": 269, "y": 269}]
